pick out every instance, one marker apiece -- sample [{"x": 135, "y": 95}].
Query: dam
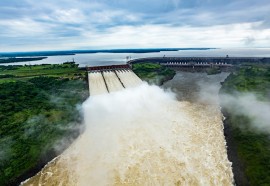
[
  {"x": 214, "y": 61},
  {"x": 107, "y": 79},
  {"x": 201, "y": 63}
]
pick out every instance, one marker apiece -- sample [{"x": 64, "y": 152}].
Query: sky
[{"x": 34, "y": 25}]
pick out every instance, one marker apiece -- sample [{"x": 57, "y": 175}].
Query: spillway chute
[
  {"x": 96, "y": 83},
  {"x": 108, "y": 79}
]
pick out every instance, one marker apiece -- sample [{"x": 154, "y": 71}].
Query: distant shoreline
[
  {"x": 20, "y": 59},
  {"x": 74, "y": 52}
]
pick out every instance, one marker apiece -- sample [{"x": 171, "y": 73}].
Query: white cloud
[
  {"x": 113, "y": 17},
  {"x": 232, "y": 35},
  {"x": 22, "y": 28},
  {"x": 67, "y": 16},
  {"x": 75, "y": 24},
  {"x": 181, "y": 36}
]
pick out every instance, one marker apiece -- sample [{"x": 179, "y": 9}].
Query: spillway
[
  {"x": 96, "y": 83},
  {"x": 128, "y": 78},
  {"x": 112, "y": 81}
]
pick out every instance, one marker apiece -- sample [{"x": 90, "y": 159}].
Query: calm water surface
[{"x": 120, "y": 58}]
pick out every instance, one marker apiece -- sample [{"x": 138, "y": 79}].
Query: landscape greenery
[
  {"x": 39, "y": 116},
  {"x": 212, "y": 71},
  {"x": 253, "y": 147},
  {"x": 23, "y": 73},
  {"x": 153, "y": 73}
]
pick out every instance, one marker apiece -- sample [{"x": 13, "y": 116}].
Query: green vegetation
[
  {"x": 249, "y": 79},
  {"x": 38, "y": 114},
  {"x": 67, "y": 70},
  {"x": 20, "y": 59},
  {"x": 212, "y": 71},
  {"x": 253, "y": 148},
  {"x": 153, "y": 72}
]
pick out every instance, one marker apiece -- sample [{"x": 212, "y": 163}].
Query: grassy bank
[
  {"x": 16, "y": 72},
  {"x": 39, "y": 116},
  {"x": 153, "y": 73},
  {"x": 252, "y": 146}
]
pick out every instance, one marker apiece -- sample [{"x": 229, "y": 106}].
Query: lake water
[{"x": 95, "y": 59}]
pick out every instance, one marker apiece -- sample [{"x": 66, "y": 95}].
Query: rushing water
[
  {"x": 143, "y": 135},
  {"x": 120, "y": 58},
  {"x": 96, "y": 83},
  {"x": 196, "y": 87},
  {"x": 128, "y": 78},
  {"x": 111, "y": 81}
]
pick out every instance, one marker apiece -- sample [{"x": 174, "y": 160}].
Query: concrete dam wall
[
  {"x": 104, "y": 80},
  {"x": 202, "y": 60}
]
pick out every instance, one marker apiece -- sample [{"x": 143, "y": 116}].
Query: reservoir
[{"x": 95, "y": 59}]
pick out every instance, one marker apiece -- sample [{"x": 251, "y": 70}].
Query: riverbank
[
  {"x": 237, "y": 165},
  {"x": 242, "y": 93}
]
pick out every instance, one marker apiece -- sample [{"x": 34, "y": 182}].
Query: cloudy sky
[{"x": 27, "y": 25}]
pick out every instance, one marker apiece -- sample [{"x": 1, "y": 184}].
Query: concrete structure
[
  {"x": 108, "y": 79},
  {"x": 201, "y": 62},
  {"x": 108, "y": 67}
]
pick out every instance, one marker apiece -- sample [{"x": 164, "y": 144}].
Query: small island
[
  {"x": 20, "y": 59},
  {"x": 153, "y": 73}
]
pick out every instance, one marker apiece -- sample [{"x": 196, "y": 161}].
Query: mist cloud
[
  {"x": 144, "y": 136},
  {"x": 248, "y": 104}
]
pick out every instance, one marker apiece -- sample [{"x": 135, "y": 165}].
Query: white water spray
[{"x": 143, "y": 136}]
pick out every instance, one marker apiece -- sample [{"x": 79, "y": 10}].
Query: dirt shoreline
[{"x": 240, "y": 178}]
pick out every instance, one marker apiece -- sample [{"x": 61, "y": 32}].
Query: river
[{"x": 145, "y": 135}]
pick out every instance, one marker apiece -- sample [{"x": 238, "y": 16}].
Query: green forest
[
  {"x": 253, "y": 147},
  {"x": 13, "y": 73},
  {"x": 39, "y": 116},
  {"x": 153, "y": 73}
]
